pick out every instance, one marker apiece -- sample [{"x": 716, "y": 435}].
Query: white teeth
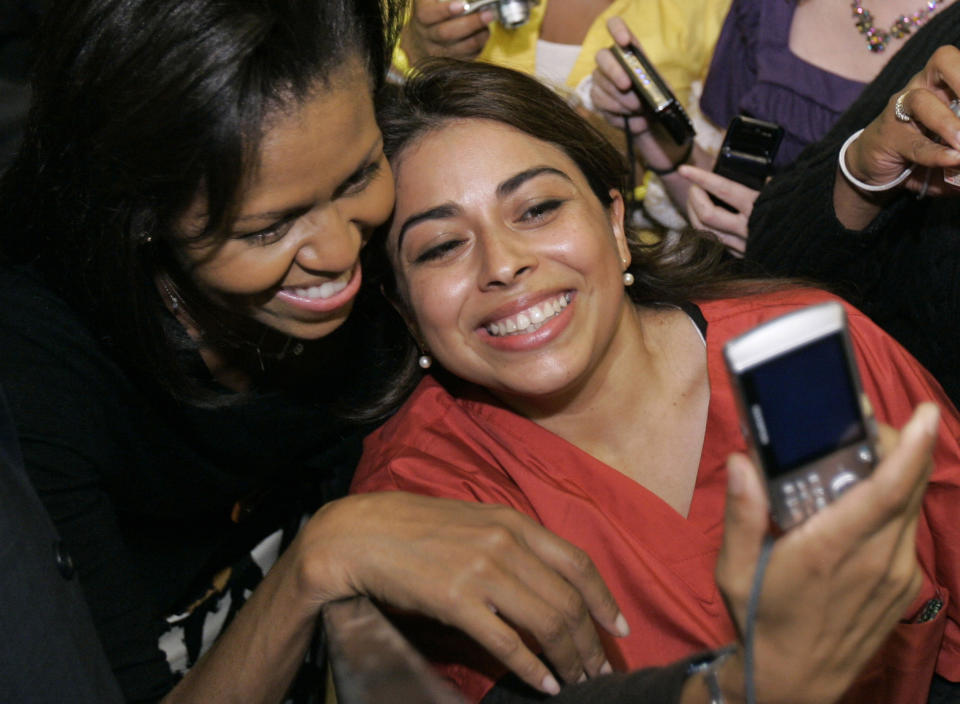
[
  {"x": 324, "y": 290},
  {"x": 530, "y": 319}
]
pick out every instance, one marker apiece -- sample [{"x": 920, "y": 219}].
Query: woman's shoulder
[
  {"x": 752, "y": 309},
  {"x": 429, "y": 404},
  {"x": 38, "y": 327}
]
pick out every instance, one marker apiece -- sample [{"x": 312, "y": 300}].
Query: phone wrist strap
[
  {"x": 707, "y": 669},
  {"x": 854, "y": 181},
  {"x": 751, "y": 624},
  {"x": 673, "y": 167}
]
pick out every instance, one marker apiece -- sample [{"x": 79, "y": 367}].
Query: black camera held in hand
[{"x": 655, "y": 94}]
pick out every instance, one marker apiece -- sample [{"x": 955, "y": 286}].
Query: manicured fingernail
[
  {"x": 487, "y": 16},
  {"x": 582, "y": 677},
  {"x": 455, "y": 7},
  {"x": 735, "y": 480},
  {"x": 549, "y": 685},
  {"x": 606, "y": 668},
  {"x": 621, "y": 625}
]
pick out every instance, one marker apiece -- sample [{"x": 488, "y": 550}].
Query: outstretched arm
[{"x": 464, "y": 564}]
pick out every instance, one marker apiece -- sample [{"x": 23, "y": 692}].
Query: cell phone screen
[{"x": 802, "y": 405}]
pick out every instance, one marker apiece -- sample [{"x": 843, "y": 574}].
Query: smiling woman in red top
[{"x": 578, "y": 377}]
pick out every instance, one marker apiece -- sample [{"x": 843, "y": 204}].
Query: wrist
[
  {"x": 730, "y": 677},
  {"x": 717, "y": 679},
  {"x": 658, "y": 152},
  {"x": 678, "y": 159},
  {"x": 320, "y": 564},
  {"x": 844, "y": 161}
]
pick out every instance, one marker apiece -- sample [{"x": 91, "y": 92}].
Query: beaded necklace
[{"x": 877, "y": 39}]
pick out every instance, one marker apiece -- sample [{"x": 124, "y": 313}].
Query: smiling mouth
[
  {"x": 531, "y": 319},
  {"x": 323, "y": 298},
  {"x": 327, "y": 289}
]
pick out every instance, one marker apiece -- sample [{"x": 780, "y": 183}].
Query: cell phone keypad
[{"x": 806, "y": 493}]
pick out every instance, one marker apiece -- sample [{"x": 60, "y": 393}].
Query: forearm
[
  {"x": 256, "y": 658},
  {"x": 854, "y": 209}
]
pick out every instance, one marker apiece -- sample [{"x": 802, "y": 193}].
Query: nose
[
  {"x": 331, "y": 241},
  {"x": 505, "y": 257}
]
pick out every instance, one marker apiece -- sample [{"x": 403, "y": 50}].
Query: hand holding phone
[
  {"x": 747, "y": 153},
  {"x": 654, "y": 93},
  {"x": 801, "y": 409}
]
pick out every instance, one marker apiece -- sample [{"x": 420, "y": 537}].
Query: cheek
[
  {"x": 438, "y": 303},
  {"x": 244, "y": 272}
]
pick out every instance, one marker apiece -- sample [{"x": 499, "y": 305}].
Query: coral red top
[{"x": 658, "y": 564}]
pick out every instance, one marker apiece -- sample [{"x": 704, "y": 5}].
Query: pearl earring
[
  {"x": 628, "y": 279},
  {"x": 425, "y": 361}
]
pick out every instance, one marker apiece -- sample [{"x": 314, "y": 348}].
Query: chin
[{"x": 308, "y": 330}]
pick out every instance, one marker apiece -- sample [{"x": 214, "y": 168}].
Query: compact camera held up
[
  {"x": 802, "y": 409},
  {"x": 510, "y": 13}
]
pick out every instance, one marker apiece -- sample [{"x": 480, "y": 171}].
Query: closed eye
[
  {"x": 438, "y": 251},
  {"x": 358, "y": 180},
  {"x": 272, "y": 233},
  {"x": 540, "y": 211}
]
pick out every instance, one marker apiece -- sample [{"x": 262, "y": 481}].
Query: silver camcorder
[{"x": 510, "y": 13}]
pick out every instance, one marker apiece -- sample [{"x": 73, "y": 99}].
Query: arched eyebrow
[
  {"x": 440, "y": 212},
  {"x": 448, "y": 210},
  {"x": 514, "y": 182}
]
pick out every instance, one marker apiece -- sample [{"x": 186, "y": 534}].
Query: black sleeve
[
  {"x": 653, "y": 685},
  {"x": 63, "y": 399},
  {"x": 49, "y": 646},
  {"x": 793, "y": 228}
]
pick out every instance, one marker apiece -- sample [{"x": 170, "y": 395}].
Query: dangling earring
[
  {"x": 425, "y": 361},
  {"x": 628, "y": 279}
]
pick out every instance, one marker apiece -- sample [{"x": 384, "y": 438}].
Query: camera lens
[{"x": 513, "y": 13}]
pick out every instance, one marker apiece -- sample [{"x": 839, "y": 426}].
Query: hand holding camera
[
  {"x": 827, "y": 603},
  {"x": 627, "y": 85},
  {"x": 444, "y": 28}
]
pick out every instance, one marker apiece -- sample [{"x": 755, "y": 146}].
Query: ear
[{"x": 616, "y": 211}]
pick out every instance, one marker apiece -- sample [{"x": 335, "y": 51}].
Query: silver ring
[{"x": 898, "y": 109}]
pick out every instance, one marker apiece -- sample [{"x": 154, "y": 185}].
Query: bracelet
[
  {"x": 673, "y": 167},
  {"x": 904, "y": 175},
  {"x": 708, "y": 670}
]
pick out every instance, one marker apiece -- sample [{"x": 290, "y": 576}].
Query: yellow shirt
[{"x": 678, "y": 36}]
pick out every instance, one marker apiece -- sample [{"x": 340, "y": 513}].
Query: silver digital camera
[
  {"x": 510, "y": 13},
  {"x": 801, "y": 409}
]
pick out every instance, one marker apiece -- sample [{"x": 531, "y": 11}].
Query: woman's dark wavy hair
[
  {"x": 139, "y": 105},
  {"x": 674, "y": 270}
]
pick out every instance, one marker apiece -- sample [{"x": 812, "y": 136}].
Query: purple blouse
[{"x": 753, "y": 72}]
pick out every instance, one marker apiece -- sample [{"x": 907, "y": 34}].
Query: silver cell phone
[{"x": 801, "y": 409}]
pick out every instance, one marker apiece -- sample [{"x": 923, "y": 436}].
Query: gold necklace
[{"x": 877, "y": 39}]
